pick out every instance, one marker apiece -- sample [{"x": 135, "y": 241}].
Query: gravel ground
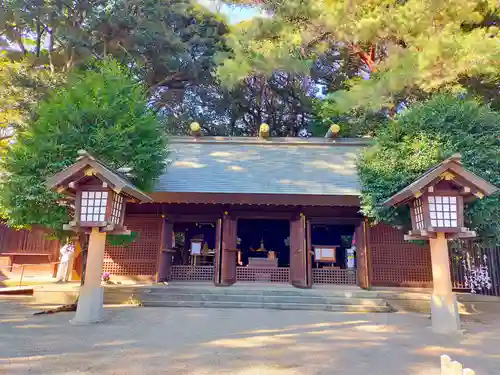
[{"x": 138, "y": 340}]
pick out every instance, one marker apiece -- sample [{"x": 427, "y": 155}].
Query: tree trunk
[{"x": 39, "y": 33}]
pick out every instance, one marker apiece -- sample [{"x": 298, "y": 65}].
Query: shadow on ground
[{"x": 136, "y": 340}]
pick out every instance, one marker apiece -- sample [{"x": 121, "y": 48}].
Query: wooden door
[
  {"x": 300, "y": 256},
  {"x": 362, "y": 255},
  {"x": 225, "y": 262}
]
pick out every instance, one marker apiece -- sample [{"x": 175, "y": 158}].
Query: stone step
[
  {"x": 266, "y": 291},
  {"x": 259, "y": 298},
  {"x": 268, "y": 305}
]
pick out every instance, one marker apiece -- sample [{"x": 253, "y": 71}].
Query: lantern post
[
  {"x": 100, "y": 195},
  {"x": 436, "y": 201}
]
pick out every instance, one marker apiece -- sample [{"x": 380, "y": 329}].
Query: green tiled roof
[{"x": 314, "y": 166}]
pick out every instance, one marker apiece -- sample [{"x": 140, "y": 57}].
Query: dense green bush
[
  {"x": 423, "y": 136},
  {"x": 102, "y": 110}
]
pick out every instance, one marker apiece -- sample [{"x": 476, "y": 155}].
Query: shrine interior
[
  {"x": 263, "y": 243},
  {"x": 185, "y": 234},
  {"x": 339, "y": 237}
]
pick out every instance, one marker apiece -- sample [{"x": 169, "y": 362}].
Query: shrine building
[{"x": 269, "y": 210}]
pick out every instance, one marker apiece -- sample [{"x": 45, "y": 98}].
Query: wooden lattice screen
[
  {"x": 192, "y": 273},
  {"x": 396, "y": 262},
  {"x": 333, "y": 276},
  {"x": 273, "y": 275},
  {"x": 140, "y": 257}
]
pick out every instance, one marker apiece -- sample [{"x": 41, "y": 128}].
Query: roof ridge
[{"x": 285, "y": 141}]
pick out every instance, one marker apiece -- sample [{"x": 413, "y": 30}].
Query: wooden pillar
[
  {"x": 300, "y": 253},
  {"x": 229, "y": 250},
  {"x": 225, "y": 262},
  {"x": 444, "y": 308},
  {"x": 91, "y": 298},
  {"x": 165, "y": 263},
  {"x": 363, "y": 255}
]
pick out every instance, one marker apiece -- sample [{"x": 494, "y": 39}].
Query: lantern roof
[
  {"x": 87, "y": 165},
  {"x": 449, "y": 169}
]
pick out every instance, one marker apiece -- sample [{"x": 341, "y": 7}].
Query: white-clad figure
[{"x": 66, "y": 254}]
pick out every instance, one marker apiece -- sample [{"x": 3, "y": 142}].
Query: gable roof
[
  {"x": 452, "y": 164},
  {"x": 76, "y": 172},
  {"x": 245, "y": 165}
]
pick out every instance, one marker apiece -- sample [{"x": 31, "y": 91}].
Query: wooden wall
[
  {"x": 396, "y": 262},
  {"x": 141, "y": 257},
  {"x": 27, "y": 247}
]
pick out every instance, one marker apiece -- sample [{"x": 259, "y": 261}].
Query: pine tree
[{"x": 404, "y": 46}]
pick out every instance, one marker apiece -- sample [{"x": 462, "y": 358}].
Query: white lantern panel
[
  {"x": 444, "y": 212},
  {"x": 116, "y": 209},
  {"x": 93, "y": 206},
  {"x": 418, "y": 214}
]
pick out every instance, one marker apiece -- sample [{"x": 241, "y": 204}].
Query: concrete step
[
  {"x": 268, "y": 305},
  {"x": 262, "y": 298}
]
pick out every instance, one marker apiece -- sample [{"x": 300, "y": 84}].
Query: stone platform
[
  {"x": 263, "y": 295},
  {"x": 241, "y": 295}
]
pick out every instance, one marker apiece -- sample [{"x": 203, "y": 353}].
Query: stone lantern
[
  {"x": 100, "y": 196},
  {"x": 436, "y": 201}
]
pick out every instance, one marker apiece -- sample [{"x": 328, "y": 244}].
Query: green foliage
[
  {"x": 102, "y": 110},
  {"x": 355, "y": 123},
  {"x": 170, "y": 45},
  {"x": 122, "y": 240},
  {"x": 403, "y": 46},
  {"x": 420, "y": 138},
  {"x": 23, "y": 86}
]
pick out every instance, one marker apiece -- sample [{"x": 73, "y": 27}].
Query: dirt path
[{"x": 240, "y": 342}]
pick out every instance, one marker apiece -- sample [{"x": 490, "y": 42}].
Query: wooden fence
[
  {"x": 26, "y": 247},
  {"x": 449, "y": 367},
  {"x": 475, "y": 267}
]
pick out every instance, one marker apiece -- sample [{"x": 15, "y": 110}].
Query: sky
[{"x": 235, "y": 14}]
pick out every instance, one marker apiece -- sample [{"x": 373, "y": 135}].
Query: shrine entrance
[{"x": 263, "y": 250}]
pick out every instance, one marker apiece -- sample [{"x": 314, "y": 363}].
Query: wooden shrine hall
[{"x": 275, "y": 210}]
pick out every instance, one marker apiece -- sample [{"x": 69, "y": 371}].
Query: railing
[
  {"x": 474, "y": 266},
  {"x": 263, "y": 274},
  {"x": 449, "y": 367},
  {"x": 192, "y": 273},
  {"x": 15, "y": 271},
  {"x": 334, "y": 276}
]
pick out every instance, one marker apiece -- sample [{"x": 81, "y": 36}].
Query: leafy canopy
[
  {"x": 102, "y": 110},
  {"x": 405, "y": 46},
  {"x": 421, "y": 137}
]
